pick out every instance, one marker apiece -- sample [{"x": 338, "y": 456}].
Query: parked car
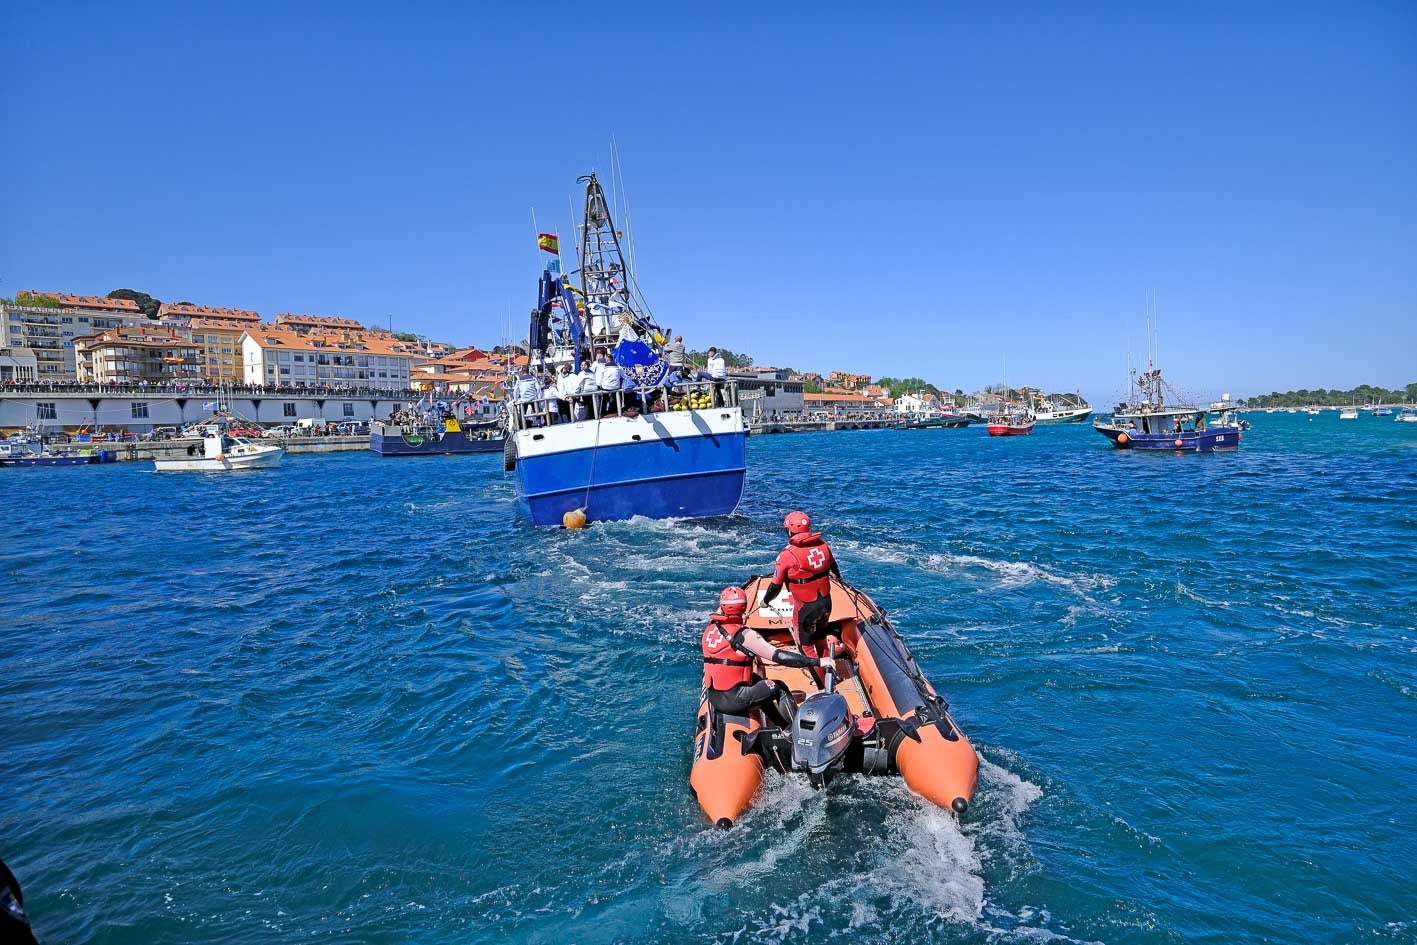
[
  {"x": 353, "y": 428},
  {"x": 247, "y": 431},
  {"x": 280, "y": 431}
]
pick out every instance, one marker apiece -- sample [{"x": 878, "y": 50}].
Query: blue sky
[{"x": 916, "y": 189}]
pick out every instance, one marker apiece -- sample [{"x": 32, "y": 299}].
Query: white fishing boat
[
  {"x": 1406, "y": 415},
  {"x": 1057, "y": 408},
  {"x": 221, "y": 452},
  {"x": 1348, "y": 413}
]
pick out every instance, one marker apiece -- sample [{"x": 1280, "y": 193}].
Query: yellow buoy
[{"x": 574, "y": 519}]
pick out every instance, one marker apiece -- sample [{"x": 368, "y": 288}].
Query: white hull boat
[{"x": 220, "y": 452}]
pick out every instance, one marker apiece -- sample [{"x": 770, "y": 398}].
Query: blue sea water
[{"x": 357, "y": 700}]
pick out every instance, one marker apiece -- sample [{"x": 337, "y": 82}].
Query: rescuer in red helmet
[
  {"x": 806, "y": 567},
  {"x": 730, "y": 685}
]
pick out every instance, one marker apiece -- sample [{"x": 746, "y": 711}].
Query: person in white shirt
[
  {"x": 717, "y": 371},
  {"x": 609, "y": 378},
  {"x": 552, "y": 403},
  {"x": 527, "y": 392},
  {"x": 567, "y": 387}
]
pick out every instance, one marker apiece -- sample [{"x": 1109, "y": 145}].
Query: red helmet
[
  {"x": 797, "y": 523},
  {"x": 732, "y": 602}
]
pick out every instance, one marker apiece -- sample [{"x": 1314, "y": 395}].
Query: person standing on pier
[{"x": 806, "y": 567}]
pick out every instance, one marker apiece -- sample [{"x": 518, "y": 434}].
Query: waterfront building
[
  {"x": 303, "y": 323},
  {"x": 844, "y": 401},
  {"x": 919, "y": 402},
  {"x": 136, "y": 354},
  {"x": 139, "y": 409},
  {"x": 18, "y": 366},
  {"x": 217, "y": 332},
  {"x": 49, "y": 330},
  {"x": 768, "y": 391},
  {"x": 281, "y": 355}
]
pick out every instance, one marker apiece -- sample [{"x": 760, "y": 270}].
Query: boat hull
[
  {"x": 934, "y": 423},
  {"x": 1216, "y": 439},
  {"x": 1010, "y": 429},
  {"x": 266, "y": 459},
  {"x": 53, "y": 461},
  {"x": 1078, "y": 415},
  {"x": 676, "y": 464},
  {"x": 723, "y": 777},
  {"x": 449, "y": 444}
]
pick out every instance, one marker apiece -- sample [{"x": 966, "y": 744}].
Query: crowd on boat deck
[
  {"x": 602, "y": 388},
  {"x": 1178, "y": 423}
]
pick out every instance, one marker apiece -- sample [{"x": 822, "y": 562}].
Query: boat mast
[{"x": 605, "y": 277}]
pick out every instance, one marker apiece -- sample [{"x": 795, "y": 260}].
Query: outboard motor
[{"x": 821, "y": 733}]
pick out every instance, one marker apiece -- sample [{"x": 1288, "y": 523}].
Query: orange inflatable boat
[{"x": 876, "y": 715}]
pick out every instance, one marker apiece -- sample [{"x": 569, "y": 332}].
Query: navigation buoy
[
  {"x": 1179, "y": 444},
  {"x": 1123, "y": 438},
  {"x": 574, "y": 519}
]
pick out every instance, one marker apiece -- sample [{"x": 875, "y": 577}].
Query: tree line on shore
[{"x": 1362, "y": 394}]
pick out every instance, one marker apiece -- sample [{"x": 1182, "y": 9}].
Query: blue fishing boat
[
  {"x": 1148, "y": 422},
  {"x": 435, "y": 436},
  {"x": 628, "y": 438},
  {"x": 25, "y": 453}
]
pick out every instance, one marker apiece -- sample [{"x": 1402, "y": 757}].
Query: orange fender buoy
[
  {"x": 1179, "y": 444},
  {"x": 574, "y": 519},
  {"x": 1123, "y": 439}
]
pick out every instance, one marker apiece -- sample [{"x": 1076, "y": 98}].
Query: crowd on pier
[{"x": 200, "y": 388}]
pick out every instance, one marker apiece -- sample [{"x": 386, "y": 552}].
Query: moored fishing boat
[
  {"x": 1151, "y": 424},
  {"x": 651, "y": 445},
  {"x": 435, "y": 436},
  {"x": 220, "y": 451},
  {"x": 23, "y": 453},
  {"x": 1058, "y": 408},
  {"x": 876, "y": 714},
  {"x": 1406, "y": 415},
  {"x": 1348, "y": 413},
  {"x": 1013, "y": 421},
  {"x": 937, "y": 422}
]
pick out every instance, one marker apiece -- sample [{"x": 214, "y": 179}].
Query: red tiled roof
[
  {"x": 207, "y": 311},
  {"x": 91, "y": 301},
  {"x": 331, "y": 342}
]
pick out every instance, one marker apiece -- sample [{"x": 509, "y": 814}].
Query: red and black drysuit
[
  {"x": 730, "y": 685},
  {"x": 806, "y": 567}
]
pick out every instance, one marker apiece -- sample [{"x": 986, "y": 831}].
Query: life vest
[
  {"x": 809, "y": 567},
  {"x": 724, "y": 666}
]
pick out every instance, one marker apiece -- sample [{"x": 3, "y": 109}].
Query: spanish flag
[{"x": 549, "y": 242}]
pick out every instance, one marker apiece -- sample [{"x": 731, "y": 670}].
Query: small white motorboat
[
  {"x": 1348, "y": 413},
  {"x": 1406, "y": 415},
  {"x": 221, "y": 452}
]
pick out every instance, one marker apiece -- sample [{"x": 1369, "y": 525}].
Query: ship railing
[{"x": 598, "y": 405}]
